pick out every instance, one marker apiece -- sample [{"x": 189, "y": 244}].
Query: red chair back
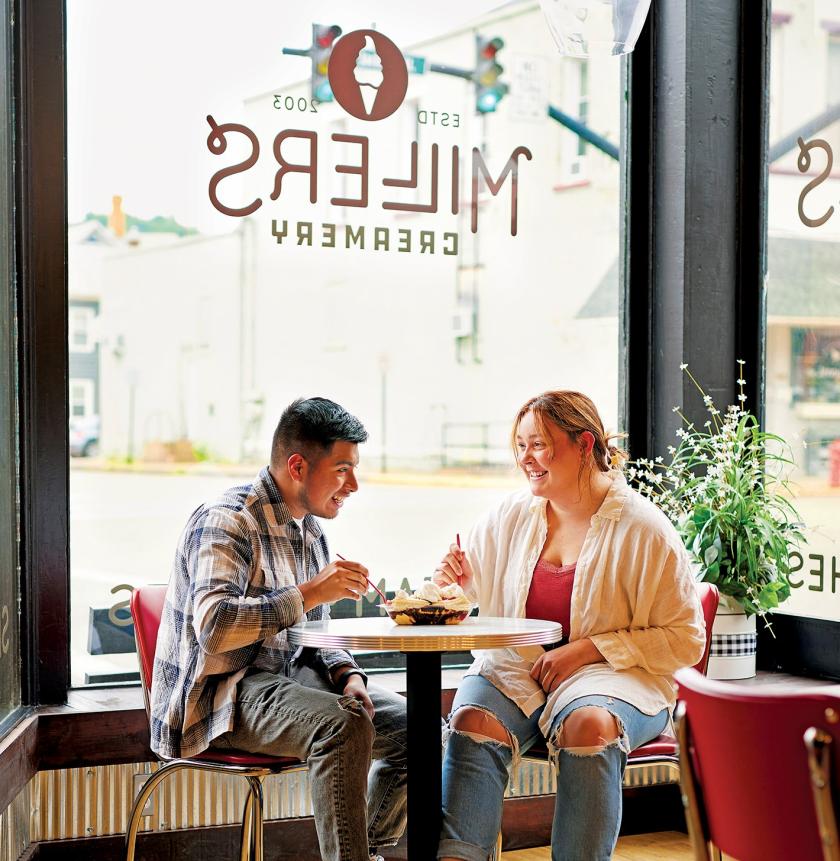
[
  {"x": 146, "y": 611},
  {"x": 747, "y": 755},
  {"x": 709, "y": 597}
]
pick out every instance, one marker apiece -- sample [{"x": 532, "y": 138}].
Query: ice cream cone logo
[{"x": 368, "y": 75}]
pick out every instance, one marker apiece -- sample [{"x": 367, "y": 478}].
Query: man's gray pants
[{"x": 300, "y": 716}]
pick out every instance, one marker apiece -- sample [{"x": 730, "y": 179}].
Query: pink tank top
[{"x": 550, "y": 595}]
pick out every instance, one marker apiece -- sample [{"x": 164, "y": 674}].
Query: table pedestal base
[{"x": 424, "y": 754}]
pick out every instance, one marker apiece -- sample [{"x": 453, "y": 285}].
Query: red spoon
[{"x": 378, "y": 590}]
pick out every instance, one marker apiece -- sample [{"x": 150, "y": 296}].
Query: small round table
[{"x": 423, "y": 646}]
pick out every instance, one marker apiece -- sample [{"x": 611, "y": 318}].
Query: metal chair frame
[{"x": 251, "y": 844}]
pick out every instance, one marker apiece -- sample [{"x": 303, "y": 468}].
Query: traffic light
[
  {"x": 323, "y": 39},
  {"x": 489, "y": 90}
]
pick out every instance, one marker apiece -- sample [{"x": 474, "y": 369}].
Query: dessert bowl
[{"x": 430, "y": 615}]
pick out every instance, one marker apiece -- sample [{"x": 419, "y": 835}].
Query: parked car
[{"x": 84, "y": 436}]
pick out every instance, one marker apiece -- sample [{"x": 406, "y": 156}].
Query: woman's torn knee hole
[
  {"x": 558, "y": 742},
  {"x": 481, "y": 726}
]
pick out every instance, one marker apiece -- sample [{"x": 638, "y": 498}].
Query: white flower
[
  {"x": 683, "y": 366},
  {"x": 742, "y": 397}
]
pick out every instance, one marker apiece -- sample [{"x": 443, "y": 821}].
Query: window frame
[
  {"x": 41, "y": 253},
  {"x": 10, "y": 639}
]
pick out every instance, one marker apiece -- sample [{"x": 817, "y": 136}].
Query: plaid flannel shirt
[{"x": 232, "y": 594}]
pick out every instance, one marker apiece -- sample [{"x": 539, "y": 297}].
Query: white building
[{"x": 218, "y": 334}]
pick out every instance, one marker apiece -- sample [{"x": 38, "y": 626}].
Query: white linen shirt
[{"x": 633, "y": 596}]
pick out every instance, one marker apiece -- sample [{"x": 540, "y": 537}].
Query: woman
[{"x": 582, "y": 548}]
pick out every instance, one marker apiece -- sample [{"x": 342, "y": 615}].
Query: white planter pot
[{"x": 732, "y": 655}]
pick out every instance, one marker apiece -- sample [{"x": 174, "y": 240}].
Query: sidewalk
[
  {"x": 453, "y": 477},
  {"x": 804, "y": 487}
]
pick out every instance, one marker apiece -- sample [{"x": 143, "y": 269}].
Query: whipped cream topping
[
  {"x": 403, "y": 601},
  {"x": 430, "y": 594}
]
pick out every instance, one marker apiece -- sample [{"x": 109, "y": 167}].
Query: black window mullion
[
  {"x": 697, "y": 192},
  {"x": 41, "y": 251}
]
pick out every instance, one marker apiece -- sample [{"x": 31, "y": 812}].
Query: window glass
[
  {"x": 803, "y": 296},
  {"x": 429, "y": 258},
  {"x": 9, "y": 567}
]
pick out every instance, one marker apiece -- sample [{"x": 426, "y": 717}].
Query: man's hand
[
  {"x": 559, "y": 664},
  {"x": 340, "y": 579},
  {"x": 454, "y": 568},
  {"x": 355, "y": 688}
]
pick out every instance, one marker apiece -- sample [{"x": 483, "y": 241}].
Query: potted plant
[{"x": 725, "y": 490}]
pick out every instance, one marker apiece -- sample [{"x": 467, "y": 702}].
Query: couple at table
[{"x": 576, "y": 546}]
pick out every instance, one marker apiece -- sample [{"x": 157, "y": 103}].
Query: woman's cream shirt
[{"x": 633, "y": 596}]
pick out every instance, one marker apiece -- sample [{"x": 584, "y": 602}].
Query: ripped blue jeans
[{"x": 587, "y": 809}]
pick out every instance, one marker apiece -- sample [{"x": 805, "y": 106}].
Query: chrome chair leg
[
  {"x": 247, "y": 830},
  {"x": 690, "y": 793},
  {"x": 143, "y": 796},
  {"x": 257, "y": 815},
  {"x": 818, "y": 745}
]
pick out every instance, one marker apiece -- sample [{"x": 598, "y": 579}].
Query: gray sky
[{"x": 142, "y": 78}]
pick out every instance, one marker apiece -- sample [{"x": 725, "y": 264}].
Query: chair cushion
[
  {"x": 242, "y": 757},
  {"x": 662, "y": 745}
]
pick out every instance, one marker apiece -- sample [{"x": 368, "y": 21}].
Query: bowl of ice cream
[{"x": 430, "y": 605}]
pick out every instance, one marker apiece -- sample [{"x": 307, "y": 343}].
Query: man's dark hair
[{"x": 310, "y": 426}]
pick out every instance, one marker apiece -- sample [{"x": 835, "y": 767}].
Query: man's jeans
[
  {"x": 301, "y": 717},
  {"x": 587, "y": 808}
]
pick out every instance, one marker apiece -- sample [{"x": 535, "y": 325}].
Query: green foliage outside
[{"x": 158, "y": 224}]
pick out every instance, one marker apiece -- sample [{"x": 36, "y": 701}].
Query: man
[{"x": 248, "y": 566}]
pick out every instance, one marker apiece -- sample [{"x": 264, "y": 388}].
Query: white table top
[{"x": 475, "y": 632}]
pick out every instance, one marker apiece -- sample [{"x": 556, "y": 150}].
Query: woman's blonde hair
[{"x": 573, "y": 413}]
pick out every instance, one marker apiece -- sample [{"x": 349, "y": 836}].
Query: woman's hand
[
  {"x": 559, "y": 664},
  {"x": 454, "y": 568}
]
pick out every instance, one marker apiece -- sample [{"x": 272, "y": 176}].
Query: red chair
[
  {"x": 146, "y": 610},
  {"x": 759, "y": 770},
  {"x": 661, "y": 751}
]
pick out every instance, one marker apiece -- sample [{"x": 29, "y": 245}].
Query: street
[{"x": 124, "y": 528}]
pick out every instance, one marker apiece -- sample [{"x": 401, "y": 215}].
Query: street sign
[
  {"x": 529, "y": 88},
  {"x": 370, "y": 60}
]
